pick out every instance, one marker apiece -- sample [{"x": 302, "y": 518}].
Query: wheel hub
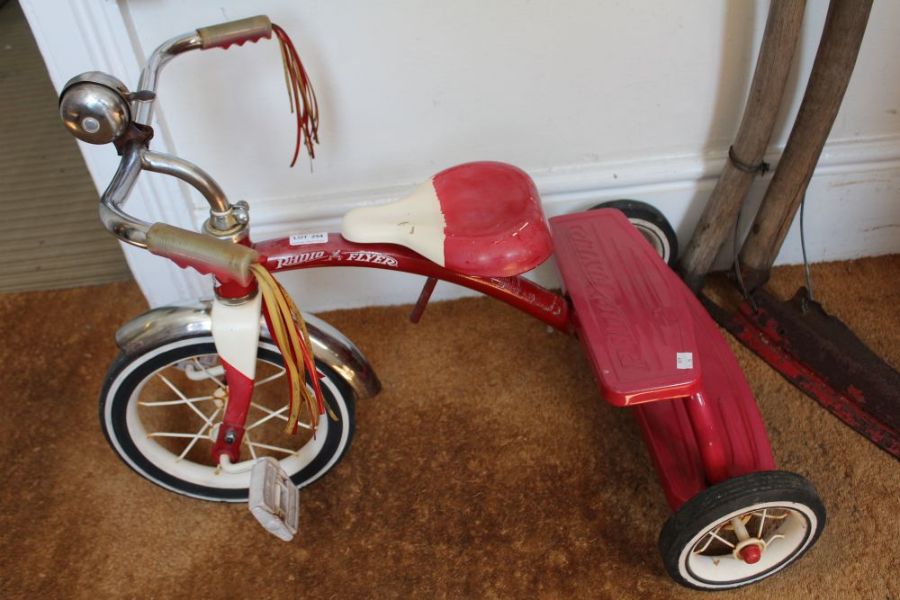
[
  {"x": 749, "y": 549},
  {"x": 751, "y": 553}
]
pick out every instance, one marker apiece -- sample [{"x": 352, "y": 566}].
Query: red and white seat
[{"x": 480, "y": 218}]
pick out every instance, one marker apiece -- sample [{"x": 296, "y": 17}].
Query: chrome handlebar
[
  {"x": 142, "y": 110},
  {"x": 125, "y": 227},
  {"x": 226, "y": 219},
  {"x": 98, "y": 109},
  {"x": 137, "y": 157}
]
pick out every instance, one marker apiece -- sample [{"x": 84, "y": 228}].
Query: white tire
[
  {"x": 160, "y": 412},
  {"x": 742, "y": 530}
]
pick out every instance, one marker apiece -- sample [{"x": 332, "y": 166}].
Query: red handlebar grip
[{"x": 238, "y": 32}]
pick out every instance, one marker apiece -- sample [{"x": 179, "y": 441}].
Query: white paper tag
[
  {"x": 305, "y": 239},
  {"x": 684, "y": 360}
]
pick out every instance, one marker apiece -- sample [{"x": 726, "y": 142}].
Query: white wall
[{"x": 596, "y": 99}]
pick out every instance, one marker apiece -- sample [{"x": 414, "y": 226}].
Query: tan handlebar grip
[
  {"x": 226, "y": 260},
  {"x": 223, "y": 35}
]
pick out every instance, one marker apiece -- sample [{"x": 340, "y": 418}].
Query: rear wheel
[
  {"x": 161, "y": 411},
  {"x": 652, "y": 224},
  {"x": 742, "y": 530}
]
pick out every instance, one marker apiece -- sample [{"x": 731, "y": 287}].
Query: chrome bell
[{"x": 94, "y": 108}]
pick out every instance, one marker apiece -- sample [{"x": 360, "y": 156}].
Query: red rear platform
[
  {"x": 727, "y": 438},
  {"x": 630, "y": 312},
  {"x": 647, "y": 337}
]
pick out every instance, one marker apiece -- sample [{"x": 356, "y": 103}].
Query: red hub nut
[{"x": 751, "y": 554}]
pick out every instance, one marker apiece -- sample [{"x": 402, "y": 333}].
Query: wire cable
[
  {"x": 806, "y": 269},
  {"x": 737, "y": 260}
]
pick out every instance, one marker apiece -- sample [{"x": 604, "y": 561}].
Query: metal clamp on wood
[
  {"x": 762, "y": 167},
  {"x": 226, "y": 260},
  {"x": 238, "y": 32}
]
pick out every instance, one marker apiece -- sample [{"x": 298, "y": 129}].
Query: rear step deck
[
  {"x": 649, "y": 339},
  {"x": 630, "y": 312}
]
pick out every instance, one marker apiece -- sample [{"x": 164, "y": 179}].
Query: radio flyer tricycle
[{"x": 196, "y": 401}]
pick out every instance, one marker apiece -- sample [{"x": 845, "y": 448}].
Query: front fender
[{"x": 333, "y": 348}]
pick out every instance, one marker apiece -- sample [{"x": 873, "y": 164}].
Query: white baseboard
[{"x": 853, "y": 210}]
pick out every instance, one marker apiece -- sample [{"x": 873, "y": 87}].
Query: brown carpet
[{"x": 488, "y": 468}]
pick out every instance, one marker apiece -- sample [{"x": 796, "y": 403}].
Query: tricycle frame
[{"x": 686, "y": 440}]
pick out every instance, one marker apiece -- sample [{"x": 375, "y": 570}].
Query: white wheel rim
[
  {"x": 206, "y": 475},
  {"x": 725, "y": 570},
  {"x": 655, "y": 237}
]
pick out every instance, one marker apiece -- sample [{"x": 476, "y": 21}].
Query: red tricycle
[{"x": 196, "y": 401}]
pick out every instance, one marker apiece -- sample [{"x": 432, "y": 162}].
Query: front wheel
[
  {"x": 161, "y": 411},
  {"x": 741, "y": 530}
]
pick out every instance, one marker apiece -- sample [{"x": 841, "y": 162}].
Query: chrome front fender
[{"x": 160, "y": 325}]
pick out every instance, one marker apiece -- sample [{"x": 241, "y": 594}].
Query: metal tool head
[{"x": 94, "y": 107}]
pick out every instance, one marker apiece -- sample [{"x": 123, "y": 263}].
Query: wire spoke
[
  {"x": 714, "y": 534},
  {"x": 167, "y": 434},
  {"x": 172, "y": 386},
  {"x": 201, "y": 414},
  {"x": 175, "y": 402},
  {"x": 250, "y": 444},
  {"x": 271, "y": 415},
  {"x": 205, "y": 371},
  {"x": 762, "y": 521},
  {"x": 187, "y": 401},
  {"x": 199, "y": 435},
  {"x": 269, "y": 378},
  {"x": 720, "y": 538},
  {"x": 709, "y": 540},
  {"x": 273, "y": 448},
  {"x": 269, "y": 410}
]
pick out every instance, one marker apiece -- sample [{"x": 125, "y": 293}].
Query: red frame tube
[
  {"x": 707, "y": 431},
  {"x": 231, "y": 432},
  {"x": 527, "y": 296}
]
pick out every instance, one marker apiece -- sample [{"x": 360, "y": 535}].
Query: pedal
[{"x": 274, "y": 500}]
